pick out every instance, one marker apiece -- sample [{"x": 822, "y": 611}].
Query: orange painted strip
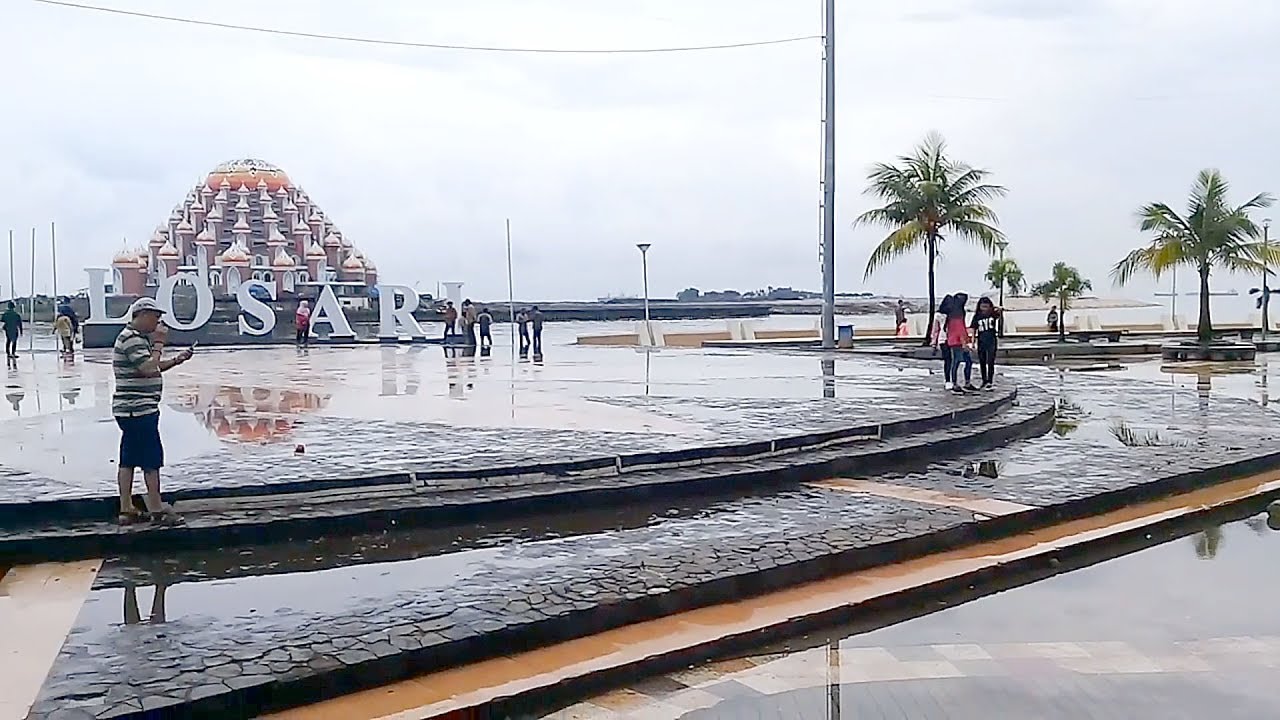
[
  {"x": 438, "y": 695},
  {"x": 987, "y": 506}
]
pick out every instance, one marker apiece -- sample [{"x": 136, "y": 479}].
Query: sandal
[
  {"x": 132, "y": 517},
  {"x": 166, "y": 517}
]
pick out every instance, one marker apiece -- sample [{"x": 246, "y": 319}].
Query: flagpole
[
  {"x": 53, "y": 247},
  {"x": 13, "y": 288},
  {"x": 31, "y": 305},
  {"x": 511, "y": 291}
]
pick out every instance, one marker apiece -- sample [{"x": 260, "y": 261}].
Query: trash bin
[{"x": 844, "y": 336}]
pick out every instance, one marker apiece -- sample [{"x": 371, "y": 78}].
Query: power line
[{"x": 432, "y": 46}]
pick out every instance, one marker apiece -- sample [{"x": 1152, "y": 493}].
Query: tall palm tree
[
  {"x": 1211, "y": 233},
  {"x": 928, "y": 197},
  {"x": 1065, "y": 284}
]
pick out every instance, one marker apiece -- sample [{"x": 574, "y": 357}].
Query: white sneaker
[{"x": 946, "y": 385}]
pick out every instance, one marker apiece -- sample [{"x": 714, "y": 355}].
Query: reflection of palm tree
[
  {"x": 1132, "y": 438},
  {"x": 1258, "y": 524},
  {"x": 1208, "y": 541}
]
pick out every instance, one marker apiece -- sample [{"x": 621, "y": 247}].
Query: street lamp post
[
  {"x": 828, "y": 322},
  {"x": 1266, "y": 294},
  {"x": 644, "y": 265}
]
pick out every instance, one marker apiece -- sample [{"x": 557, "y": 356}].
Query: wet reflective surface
[{"x": 1186, "y": 629}]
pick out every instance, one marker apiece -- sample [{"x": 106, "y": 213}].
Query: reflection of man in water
[{"x": 131, "y": 614}]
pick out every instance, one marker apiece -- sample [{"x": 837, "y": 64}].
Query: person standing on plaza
[
  {"x": 939, "y": 339},
  {"x": 1053, "y": 319},
  {"x": 137, "y": 362},
  {"x": 12, "y": 322},
  {"x": 486, "y": 328},
  {"x": 66, "y": 340},
  {"x": 302, "y": 324},
  {"x": 469, "y": 322},
  {"x": 535, "y": 319},
  {"x": 985, "y": 324},
  {"x": 522, "y": 322},
  {"x": 900, "y": 319},
  {"x": 959, "y": 344},
  {"x": 450, "y": 319}
]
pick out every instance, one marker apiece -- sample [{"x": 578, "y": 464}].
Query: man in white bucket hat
[{"x": 135, "y": 403}]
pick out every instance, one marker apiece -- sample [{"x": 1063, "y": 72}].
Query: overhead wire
[{"x": 425, "y": 45}]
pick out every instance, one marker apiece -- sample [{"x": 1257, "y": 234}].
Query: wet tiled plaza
[
  {"x": 160, "y": 630},
  {"x": 1183, "y": 630}
]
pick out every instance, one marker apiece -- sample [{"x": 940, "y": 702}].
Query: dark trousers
[
  {"x": 302, "y": 336},
  {"x": 987, "y": 360},
  {"x": 10, "y": 344},
  {"x": 537, "y": 340},
  {"x": 486, "y": 336},
  {"x": 524, "y": 339},
  {"x": 948, "y": 373}
]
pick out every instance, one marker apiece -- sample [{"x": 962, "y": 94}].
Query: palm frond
[{"x": 899, "y": 242}]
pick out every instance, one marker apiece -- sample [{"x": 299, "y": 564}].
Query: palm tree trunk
[
  {"x": 1204, "y": 330},
  {"x": 933, "y": 254}
]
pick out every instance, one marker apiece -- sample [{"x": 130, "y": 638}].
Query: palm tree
[
  {"x": 927, "y": 197},
  {"x": 1212, "y": 233},
  {"x": 1004, "y": 272},
  {"x": 1065, "y": 284}
]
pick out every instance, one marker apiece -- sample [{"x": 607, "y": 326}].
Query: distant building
[{"x": 247, "y": 221}]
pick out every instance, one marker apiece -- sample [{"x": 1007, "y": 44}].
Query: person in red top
[
  {"x": 302, "y": 323},
  {"x": 960, "y": 344}
]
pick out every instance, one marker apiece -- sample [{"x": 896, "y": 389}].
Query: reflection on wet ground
[
  {"x": 1186, "y": 629},
  {"x": 350, "y": 412}
]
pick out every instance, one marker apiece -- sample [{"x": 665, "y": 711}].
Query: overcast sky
[{"x": 1085, "y": 109}]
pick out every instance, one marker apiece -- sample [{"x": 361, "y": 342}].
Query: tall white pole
[
  {"x": 13, "y": 286},
  {"x": 31, "y": 305},
  {"x": 829, "y": 177},
  {"x": 53, "y": 248},
  {"x": 644, "y": 268},
  {"x": 511, "y": 291}
]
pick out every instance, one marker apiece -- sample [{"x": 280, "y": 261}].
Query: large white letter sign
[
  {"x": 329, "y": 310},
  {"x": 393, "y": 317},
  {"x": 98, "y": 297},
  {"x": 204, "y": 301},
  {"x": 250, "y": 305}
]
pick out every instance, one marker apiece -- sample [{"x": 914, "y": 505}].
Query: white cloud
[{"x": 1085, "y": 110}]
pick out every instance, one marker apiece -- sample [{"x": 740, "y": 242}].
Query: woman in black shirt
[{"x": 984, "y": 326}]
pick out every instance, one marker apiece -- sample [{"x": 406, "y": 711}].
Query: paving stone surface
[{"x": 291, "y": 626}]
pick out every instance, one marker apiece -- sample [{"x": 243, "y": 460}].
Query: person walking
[
  {"x": 11, "y": 319},
  {"x": 960, "y": 344},
  {"x": 486, "y": 328},
  {"x": 302, "y": 324},
  {"x": 522, "y": 322},
  {"x": 66, "y": 341},
  {"x": 900, "y": 319},
  {"x": 450, "y": 320},
  {"x": 137, "y": 363},
  {"x": 939, "y": 339},
  {"x": 985, "y": 326},
  {"x": 535, "y": 319}
]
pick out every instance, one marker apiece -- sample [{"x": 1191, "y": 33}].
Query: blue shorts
[{"x": 140, "y": 445}]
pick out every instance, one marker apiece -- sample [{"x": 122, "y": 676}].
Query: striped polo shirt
[{"x": 135, "y": 394}]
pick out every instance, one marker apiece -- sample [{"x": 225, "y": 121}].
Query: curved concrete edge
[
  {"x": 311, "y": 688},
  {"x": 672, "y": 485},
  {"x": 30, "y": 513}
]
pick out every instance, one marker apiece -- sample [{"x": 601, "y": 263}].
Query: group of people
[
  {"x": 466, "y": 323},
  {"x": 529, "y": 321},
  {"x": 957, "y": 338},
  {"x": 66, "y": 326}
]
